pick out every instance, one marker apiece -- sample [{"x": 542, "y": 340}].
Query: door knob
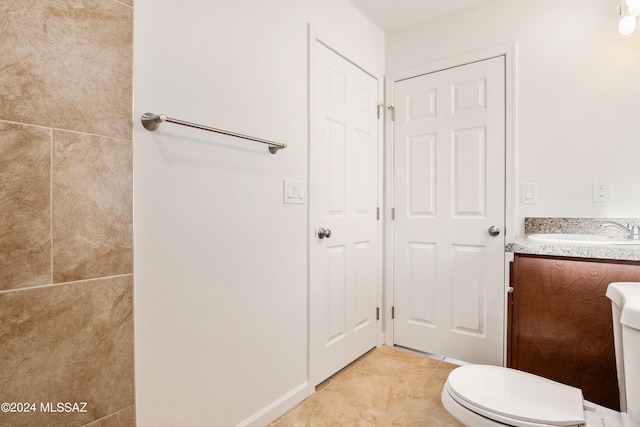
[
  {"x": 324, "y": 232},
  {"x": 494, "y": 231}
]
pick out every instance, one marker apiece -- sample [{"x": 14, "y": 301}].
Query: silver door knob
[
  {"x": 494, "y": 231},
  {"x": 324, "y": 232}
]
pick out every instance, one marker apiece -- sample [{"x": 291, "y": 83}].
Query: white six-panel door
[
  {"x": 449, "y": 190},
  {"x": 343, "y": 185}
]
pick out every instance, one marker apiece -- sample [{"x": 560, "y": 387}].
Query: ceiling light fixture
[{"x": 629, "y": 9}]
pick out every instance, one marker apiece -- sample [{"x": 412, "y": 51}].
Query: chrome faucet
[{"x": 631, "y": 230}]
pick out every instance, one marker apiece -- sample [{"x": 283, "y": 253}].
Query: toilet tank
[
  {"x": 630, "y": 320},
  {"x": 625, "y": 304}
]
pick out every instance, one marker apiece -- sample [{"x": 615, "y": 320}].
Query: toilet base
[{"x": 598, "y": 416}]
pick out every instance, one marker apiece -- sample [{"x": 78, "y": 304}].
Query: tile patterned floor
[{"x": 389, "y": 386}]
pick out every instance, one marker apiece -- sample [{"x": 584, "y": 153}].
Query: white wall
[
  {"x": 220, "y": 261},
  {"x": 578, "y": 95}
]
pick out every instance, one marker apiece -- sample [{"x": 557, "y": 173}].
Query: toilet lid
[{"x": 501, "y": 393}]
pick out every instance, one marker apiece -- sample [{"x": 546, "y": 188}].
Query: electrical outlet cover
[{"x": 600, "y": 191}]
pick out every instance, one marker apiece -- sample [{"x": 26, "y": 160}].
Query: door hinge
[
  {"x": 377, "y": 214},
  {"x": 380, "y": 107},
  {"x": 393, "y": 214},
  {"x": 393, "y": 312},
  {"x": 377, "y": 313},
  {"x": 393, "y": 112}
]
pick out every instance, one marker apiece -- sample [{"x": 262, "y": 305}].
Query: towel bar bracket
[{"x": 152, "y": 121}]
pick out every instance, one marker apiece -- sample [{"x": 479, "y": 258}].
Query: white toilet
[{"x": 490, "y": 396}]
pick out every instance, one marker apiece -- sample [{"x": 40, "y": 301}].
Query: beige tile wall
[{"x": 66, "y": 286}]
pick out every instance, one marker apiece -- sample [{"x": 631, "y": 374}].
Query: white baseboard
[{"x": 279, "y": 407}]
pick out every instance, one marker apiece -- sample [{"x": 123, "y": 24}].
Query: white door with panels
[
  {"x": 449, "y": 201},
  {"x": 343, "y": 183}
]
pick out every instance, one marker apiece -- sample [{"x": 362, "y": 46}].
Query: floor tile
[{"x": 389, "y": 386}]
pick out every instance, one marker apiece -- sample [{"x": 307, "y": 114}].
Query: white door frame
[
  {"x": 509, "y": 51},
  {"x": 326, "y": 39}
]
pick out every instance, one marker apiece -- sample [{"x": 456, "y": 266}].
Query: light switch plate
[
  {"x": 528, "y": 193},
  {"x": 293, "y": 192}
]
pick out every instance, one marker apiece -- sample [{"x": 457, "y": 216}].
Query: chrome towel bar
[{"x": 152, "y": 121}]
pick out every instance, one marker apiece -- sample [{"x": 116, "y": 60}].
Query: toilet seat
[{"x": 514, "y": 397}]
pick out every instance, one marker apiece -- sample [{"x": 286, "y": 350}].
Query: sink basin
[{"x": 591, "y": 239}]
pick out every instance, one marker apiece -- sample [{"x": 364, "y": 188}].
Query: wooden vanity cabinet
[{"x": 560, "y": 325}]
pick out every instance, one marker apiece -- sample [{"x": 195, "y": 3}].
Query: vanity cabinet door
[{"x": 560, "y": 322}]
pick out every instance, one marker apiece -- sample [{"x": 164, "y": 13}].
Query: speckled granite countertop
[{"x": 524, "y": 245}]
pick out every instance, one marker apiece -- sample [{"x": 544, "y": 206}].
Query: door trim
[
  {"x": 326, "y": 39},
  {"x": 509, "y": 51}
]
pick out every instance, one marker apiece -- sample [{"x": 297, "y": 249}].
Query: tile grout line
[
  {"x": 123, "y": 4},
  {"x": 51, "y": 203},
  {"x": 54, "y": 129},
  {"x": 404, "y": 403},
  {"x": 414, "y": 392},
  {"x": 100, "y": 420},
  {"x": 338, "y": 378},
  {"x": 49, "y": 285}
]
